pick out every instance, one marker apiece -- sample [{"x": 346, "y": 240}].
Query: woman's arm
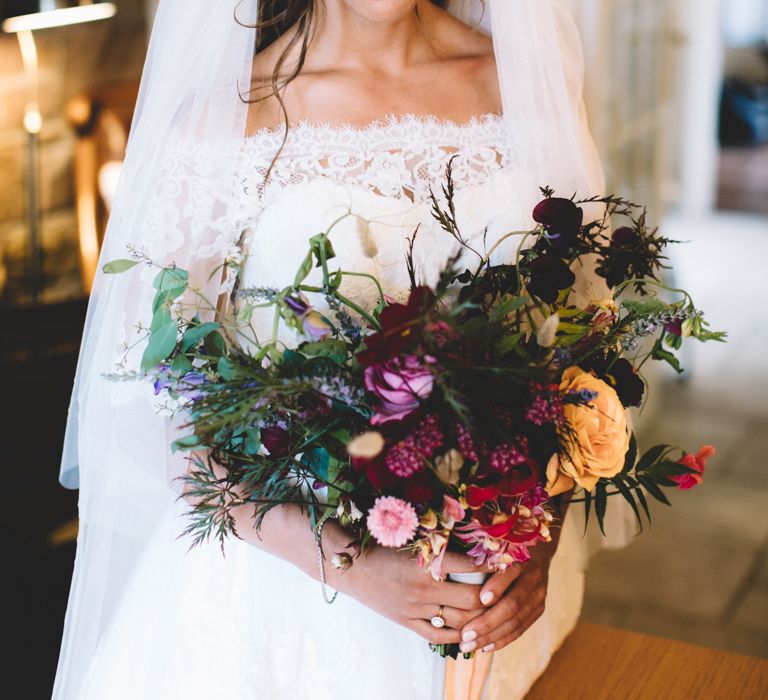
[{"x": 516, "y": 596}]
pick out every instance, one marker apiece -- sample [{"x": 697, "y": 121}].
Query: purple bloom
[
  {"x": 188, "y": 384},
  {"x": 400, "y": 386},
  {"x": 163, "y": 380}
]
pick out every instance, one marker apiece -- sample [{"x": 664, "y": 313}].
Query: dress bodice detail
[{"x": 400, "y": 156}]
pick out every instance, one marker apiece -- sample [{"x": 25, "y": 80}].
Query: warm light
[
  {"x": 33, "y": 121},
  {"x": 60, "y": 18}
]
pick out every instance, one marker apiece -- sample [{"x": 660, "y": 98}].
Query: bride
[{"x": 257, "y": 124}]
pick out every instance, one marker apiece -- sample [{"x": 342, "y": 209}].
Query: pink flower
[
  {"x": 452, "y": 512},
  {"x": 392, "y": 521},
  {"x": 400, "y": 386},
  {"x": 697, "y": 461}
]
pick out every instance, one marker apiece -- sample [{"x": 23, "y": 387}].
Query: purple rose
[{"x": 400, "y": 386}]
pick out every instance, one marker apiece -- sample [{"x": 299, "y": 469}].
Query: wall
[
  {"x": 73, "y": 60},
  {"x": 745, "y": 22}
]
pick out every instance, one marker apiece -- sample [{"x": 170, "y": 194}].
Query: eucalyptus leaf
[
  {"x": 161, "y": 344},
  {"x": 181, "y": 364},
  {"x": 194, "y": 334},
  {"x": 215, "y": 346},
  {"x": 171, "y": 278},
  {"x": 115, "y": 267}
]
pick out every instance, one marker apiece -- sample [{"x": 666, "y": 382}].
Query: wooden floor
[{"x": 600, "y": 663}]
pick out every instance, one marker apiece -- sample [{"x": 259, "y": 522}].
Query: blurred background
[{"x": 678, "y": 97}]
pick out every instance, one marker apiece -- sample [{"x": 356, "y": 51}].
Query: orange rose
[{"x": 598, "y": 439}]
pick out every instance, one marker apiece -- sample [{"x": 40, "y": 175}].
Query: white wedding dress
[{"x": 195, "y": 625}]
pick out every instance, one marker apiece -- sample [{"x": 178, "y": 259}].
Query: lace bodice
[{"x": 399, "y": 156}]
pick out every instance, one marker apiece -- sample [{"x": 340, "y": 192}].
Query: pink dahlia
[{"x": 392, "y": 521}]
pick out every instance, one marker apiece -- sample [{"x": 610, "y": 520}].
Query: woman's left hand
[{"x": 516, "y": 598}]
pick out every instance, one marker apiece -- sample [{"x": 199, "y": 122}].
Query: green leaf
[
  {"x": 161, "y": 317},
  {"x": 161, "y": 344},
  {"x": 587, "y": 507},
  {"x": 187, "y": 442},
  {"x": 215, "y": 346},
  {"x": 333, "y": 348},
  {"x": 115, "y": 267},
  {"x": 652, "y": 455},
  {"x": 304, "y": 269},
  {"x": 181, "y": 364},
  {"x": 226, "y": 368},
  {"x": 665, "y": 356},
  {"x": 194, "y": 334},
  {"x": 601, "y": 503},
  {"x": 170, "y": 278},
  {"x": 645, "y": 307},
  {"x": 653, "y": 489},
  {"x": 641, "y": 497},
  {"x": 321, "y": 245},
  {"x": 626, "y": 492},
  {"x": 631, "y": 456},
  {"x": 317, "y": 460},
  {"x": 509, "y": 305}
]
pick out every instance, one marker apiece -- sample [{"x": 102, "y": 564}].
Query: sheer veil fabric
[{"x": 199, "y": 62}]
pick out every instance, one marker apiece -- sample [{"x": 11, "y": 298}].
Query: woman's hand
[
  {"x": 516, "y": 596},
  {"x": 392, "y": 583}
]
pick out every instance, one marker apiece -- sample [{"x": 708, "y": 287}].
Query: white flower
[
  {"x": 547, "y": 331},
  {"x": 366, "y": 445},
  {"x": 370, "y": 249},
  {"x": 448, "y": 466}
]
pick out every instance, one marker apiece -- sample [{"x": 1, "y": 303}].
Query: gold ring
[{"x": 438, "y": 620}]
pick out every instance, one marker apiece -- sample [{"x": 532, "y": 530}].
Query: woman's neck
[{"x": 346, "y": 39}]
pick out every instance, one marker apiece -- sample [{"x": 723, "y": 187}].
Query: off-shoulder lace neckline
[{"x": 402, "y": 119}]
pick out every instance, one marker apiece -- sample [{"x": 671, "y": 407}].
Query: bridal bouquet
[{"x": 455, "y": 418}]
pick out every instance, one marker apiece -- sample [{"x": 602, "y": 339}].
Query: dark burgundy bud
[
  {"x": 275, "y": 440},
  {"x": 548, "y": 275},
  {"x": 557, "y": 212},
  {"x": 627, "y": 382},
  {"x": 626, "y": 237}
]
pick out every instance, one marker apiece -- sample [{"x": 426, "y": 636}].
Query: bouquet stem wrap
[{"x": 464, "y": 678}]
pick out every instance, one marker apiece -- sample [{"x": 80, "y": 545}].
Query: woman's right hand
[{"x": 392, "y": 583}]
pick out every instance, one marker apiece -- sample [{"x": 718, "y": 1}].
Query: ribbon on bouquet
[{"x": 465, "y": 679}]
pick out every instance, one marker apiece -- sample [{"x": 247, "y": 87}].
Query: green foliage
[{"x": 115, "y": 267}]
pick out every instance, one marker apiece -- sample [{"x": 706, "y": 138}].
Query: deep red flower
[
  {"x": 547, "y": 276},
  {"x": 276, "y": 441},
  {"x": 562, "y": 220},
  {"x": 418, "y": 488},
  {"x": 398, "y": 324}
]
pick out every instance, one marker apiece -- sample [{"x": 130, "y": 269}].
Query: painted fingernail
[
  {"x": 466, "y": 647},
  {"x": 489, "y": 647},
  {"x": 469, "y": 636},
  {"x": 486, "y": 597}
]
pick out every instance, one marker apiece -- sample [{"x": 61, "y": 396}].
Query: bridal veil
[{"x": 198, "y": 66}]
